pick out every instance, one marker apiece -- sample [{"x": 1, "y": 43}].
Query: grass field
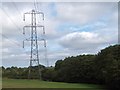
[{"x": 22, "y": 83}]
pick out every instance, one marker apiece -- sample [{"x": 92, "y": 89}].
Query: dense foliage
[{"x": 102, "y": 68}]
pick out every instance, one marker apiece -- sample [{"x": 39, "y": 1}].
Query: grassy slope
[{"x": 20, "y": 83}]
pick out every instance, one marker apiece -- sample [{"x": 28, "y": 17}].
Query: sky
[{"x": 72, "y": 28}]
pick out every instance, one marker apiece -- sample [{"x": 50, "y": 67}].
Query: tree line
[{"x": 101, "y": 68}]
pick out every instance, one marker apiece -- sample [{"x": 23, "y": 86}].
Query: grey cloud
[
  {"x": 84, "y": 40},
  {"x": 72, "y": 43},
  {"x": 84, "y": 12}
]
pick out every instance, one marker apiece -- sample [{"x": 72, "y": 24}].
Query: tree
[
  {"x": 103, "y": 68},
  {"x": 107, "y": 65}
]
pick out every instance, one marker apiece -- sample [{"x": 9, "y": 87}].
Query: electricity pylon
[{"x": 34, "y": 57}]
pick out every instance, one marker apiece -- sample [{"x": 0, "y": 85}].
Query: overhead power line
[
  {"x": 18, "y": 28},
  {"x": 19, "y": 12},
  {"x": 17, "y": 44},
  {"x": 11, "y": 19}
]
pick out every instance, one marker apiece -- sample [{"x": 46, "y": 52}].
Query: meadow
[{"x": 24, "y": 83}]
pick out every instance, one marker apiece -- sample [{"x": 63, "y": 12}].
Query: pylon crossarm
[
  {"x": 41, "y": 14},
  {"x": 25, "y": 15},
  {"x": 36, "y": 12},
  {"x": 42, "y": 27},
  {"x": 29, "y": 39},
  {"x": 43, "y": 41},
  {"x": 29, "y": 26}
]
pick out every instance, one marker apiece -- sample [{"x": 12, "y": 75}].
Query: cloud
[
  {"x": 83, "y": 12},
  {"x": 71, "y": 29},
  {"x": 84, "y": 40}
]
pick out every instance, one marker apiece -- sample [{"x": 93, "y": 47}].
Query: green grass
[{"x": 23, "y": 83}]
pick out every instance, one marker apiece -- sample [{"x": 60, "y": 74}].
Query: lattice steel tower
[{"x": 34, "y": 57}]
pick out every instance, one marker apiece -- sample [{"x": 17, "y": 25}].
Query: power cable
[
  {"x": 10, "y": 40},
  {"x": 18, "y": 28}
]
